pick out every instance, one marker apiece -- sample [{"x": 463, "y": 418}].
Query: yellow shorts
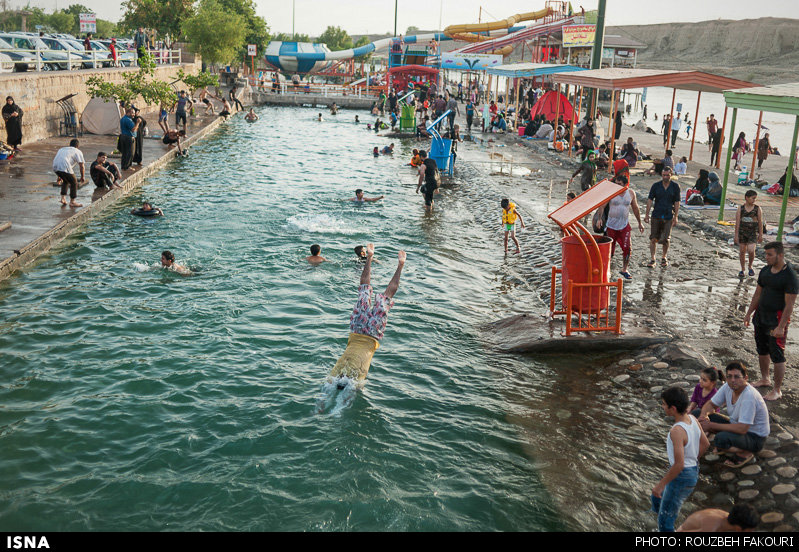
[{"x": 357, "y": 357}]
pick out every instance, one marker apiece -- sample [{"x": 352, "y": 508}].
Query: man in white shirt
[
  {"x": 746, "y": 429},
  {"x": 64, "y": 160},
  {"x": 675, "y": 128}
]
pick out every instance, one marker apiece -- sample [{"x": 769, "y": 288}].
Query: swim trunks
[
  {"x": 510, "y": 227},
  {"x": 369, "y": 318}
]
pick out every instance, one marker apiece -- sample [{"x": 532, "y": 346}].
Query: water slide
[
  {"x": 480, "y": 32},
  {"x": 301, "y": 57}
]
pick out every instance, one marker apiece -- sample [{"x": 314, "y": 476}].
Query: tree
[
  {"x": 165, "y": 16},
  {"x": 215, "y": 33},
  {"x": 412, "y": 30},
  {"x": 363, "y": 41},
  {"x": 61, "y": 22},
  {"x": 285, "y": 37},
  {"x": 256, "y": 29},
  {"x": 136, "y": 84},
  {"x": 196, "y": 82},
  {"x": 336, "y": 39}
]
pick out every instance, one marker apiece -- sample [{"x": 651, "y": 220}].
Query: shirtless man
[
  {"x": 209, "y": 107},
  {"x": 168, "y": 262},
  {"x": 251, "y": 116},
  {"x": 742, "y": 517},
  {"x": 315, "y": 258},
  {"x": 359, "y": 197},
  {"x": 367, "y": 324}
]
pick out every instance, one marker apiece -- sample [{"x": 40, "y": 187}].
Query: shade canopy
[
  {"x": 529, "y": 70},
  {"x": 779, "y": 98},
  {"x": 622, "y": 79},
  {"x": 547, "y": 105}
]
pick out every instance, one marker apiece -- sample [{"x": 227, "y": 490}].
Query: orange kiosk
[{"x": 585, "y": 274}]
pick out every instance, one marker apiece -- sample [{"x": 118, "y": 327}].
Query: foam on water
[{"x": 320, "y": 224}]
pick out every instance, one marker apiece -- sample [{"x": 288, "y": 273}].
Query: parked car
[
  {"x": 52, "y": 59},
  {"x": 125, "y": 57},
  {"x": 74, "y": 48},
  {"x": 17, "y": 61}
]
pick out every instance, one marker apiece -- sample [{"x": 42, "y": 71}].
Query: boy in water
[
  {"x": 509, "y": 215},
  {"x": 685, "y": 444},
  {"x": 367, "y": 323},
  {"x": 315, "y": 258},
  {"x": 168, "y": 262}
]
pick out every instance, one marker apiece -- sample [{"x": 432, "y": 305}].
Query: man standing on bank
[
  {"x": 127, "y": 137},
  {"x": 772, "y": 305},
  {"x": 666, "y": 197}
]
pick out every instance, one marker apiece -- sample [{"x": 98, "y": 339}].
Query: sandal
[
  {"x": 651, "y": 264},
  {"x": 741, "y": 274},
  {"x": 664, "y": 262},
  {"x": 751, "y": 272},
  {"x": 738, "y": 461},
  {"x": 626, "y": 275}
]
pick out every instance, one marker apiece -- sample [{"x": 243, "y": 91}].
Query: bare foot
[
  {"x": 75, "y": 204},
  {"x": 773, "y": 396},
  {"x": 63, "y": 200},
  {"x": 370, "y": 249},
  {"x": 401, "y": 255},
  {"x": 762, "y": 383}
]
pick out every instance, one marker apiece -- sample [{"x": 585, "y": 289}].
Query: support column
[
  {"x": 727, "y": 165},
  {"x": 696, "y": 124},
  {"x": 788, "y": 180},
  {"x": 557, "y": 113},
  {"x": 754, "y": 145},
  {"x": 615, "y": 108},
  {"x": 668, "y": 128},
  {"x": 721, "y": 141}
]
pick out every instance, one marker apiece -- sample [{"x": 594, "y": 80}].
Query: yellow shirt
[{"x": 357, "y": 357}]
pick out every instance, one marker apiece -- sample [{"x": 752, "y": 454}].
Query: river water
[{"x": 138, "y": 399}]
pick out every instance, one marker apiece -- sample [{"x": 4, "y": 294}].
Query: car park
[
  {"x": 16, "y": 61},
  {"x": 51, "y": 59}
]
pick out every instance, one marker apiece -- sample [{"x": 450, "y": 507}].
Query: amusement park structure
[{"x": 407, "y": 54}]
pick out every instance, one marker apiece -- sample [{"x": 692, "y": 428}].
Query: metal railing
[
  {"x": 326, "y": 90},
  {"x": 71, "y": 60}
]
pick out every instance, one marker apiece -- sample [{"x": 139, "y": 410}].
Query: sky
[{"x": 377, "y": 16}]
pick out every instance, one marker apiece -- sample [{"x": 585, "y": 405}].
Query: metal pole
[
  {"x": 696, "y": 118},
  {"x": 599, "y": 42},
  {"x": 788, "y": 180},
  {"x": 395, "y": 17},
  {"x": 613, "y": 136},
  {"x": 754, "y": 145},
  {"x": 671, "y": 119},
  {"x": 721, "y": 142},
  {"x": 727, "y": 166},
  {"x": 557, "y": 113}
]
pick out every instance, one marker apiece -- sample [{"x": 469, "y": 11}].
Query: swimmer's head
[
  {"x": 315, "y": 249},
  {"x": 146, "y": 206},
  {"x": 505, "y": 203},
  {"x": 360, "y": 251},
  {"x": 167, "y": 259},
  {"x": 359, "y": 192}
]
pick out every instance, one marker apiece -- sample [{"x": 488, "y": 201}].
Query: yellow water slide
[{"x": 468, "y": 32}]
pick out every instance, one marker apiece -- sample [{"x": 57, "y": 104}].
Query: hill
[{"x": 764, "y": 50}]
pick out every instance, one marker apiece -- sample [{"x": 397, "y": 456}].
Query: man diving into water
[{"x": 367, "y": 324}]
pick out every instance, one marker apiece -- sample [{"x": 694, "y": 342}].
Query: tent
[
  {"x": 547, "y": 106},
  {"x": 101, "y": 117}
]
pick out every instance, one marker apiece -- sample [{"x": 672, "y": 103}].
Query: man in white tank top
[{"x": 685, "y": 444}]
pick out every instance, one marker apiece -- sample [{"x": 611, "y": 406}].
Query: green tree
[
  {"x": 136, "y": 84},
  {"x": 336, "y": 39},
  {"x": 412, "y": 30},
  {"x": 363, "y": 41},
  {"x": 196, "y": 82},
  {"x": 61, "y": 22},
  {"x": 215, "y": 33},
  {"x": 256, "y": 29},
  {"x": 165, "y": 16},
  {"x": 286, "y": 37}
]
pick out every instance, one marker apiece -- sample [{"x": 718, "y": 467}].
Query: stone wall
[{"x": 36, "y": 93}]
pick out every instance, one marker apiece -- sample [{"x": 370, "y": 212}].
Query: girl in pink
[{"x": 705, "y": 389}]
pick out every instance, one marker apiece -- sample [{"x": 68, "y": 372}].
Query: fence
[
  {"x": 325, "y": 90},
  {"x": 59, "y": 60}
]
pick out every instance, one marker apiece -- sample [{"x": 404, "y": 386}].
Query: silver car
[
  {"x": 74, "y": 48},
  {"x": 12, "y": 60},
  {"x": 51, "y": 59}
]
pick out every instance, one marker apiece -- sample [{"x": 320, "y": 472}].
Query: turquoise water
[{"x": 137, "y": 399}]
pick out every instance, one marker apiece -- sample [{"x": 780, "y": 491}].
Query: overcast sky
[{"x": 377, "y": 16}]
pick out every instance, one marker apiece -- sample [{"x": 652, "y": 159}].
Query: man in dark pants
[
  {"x": 139, "y": 141},
  {"x": 427, "y": 176},
  {"x": 772, "y": 305},
  {"x": 127, "y": 137},
  {"x": 64, "y": 160},
  {"x": 103, "y": 173},
  {"x": 665, "y": 196}
]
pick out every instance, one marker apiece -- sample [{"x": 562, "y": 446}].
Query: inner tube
[
  {"x": 357, "y": 357},
  {"x": 142, "y": 213}
]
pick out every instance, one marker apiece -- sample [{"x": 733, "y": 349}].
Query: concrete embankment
[{"x": 311, "y": 100}]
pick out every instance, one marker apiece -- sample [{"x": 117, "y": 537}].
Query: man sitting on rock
[{"x": 745, "y": 431}]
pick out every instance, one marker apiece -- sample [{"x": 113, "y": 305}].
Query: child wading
[
  {"x": 685, "y": 444},
  {"x": 509, "y": 216}
]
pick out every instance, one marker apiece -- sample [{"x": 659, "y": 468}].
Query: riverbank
[
  {"x": 30, "y": 206},
  {"x": 700, "y": 301}
]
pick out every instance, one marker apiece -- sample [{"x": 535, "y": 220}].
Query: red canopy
[{"x": 546, "y": 106}]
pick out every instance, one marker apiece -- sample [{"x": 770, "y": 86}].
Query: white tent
[{"x": 101, "y": 117}]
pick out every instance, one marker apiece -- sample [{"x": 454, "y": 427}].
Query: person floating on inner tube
[
  {"x": 367, "y": 324},
  {"x": 147, "y": 210}
]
